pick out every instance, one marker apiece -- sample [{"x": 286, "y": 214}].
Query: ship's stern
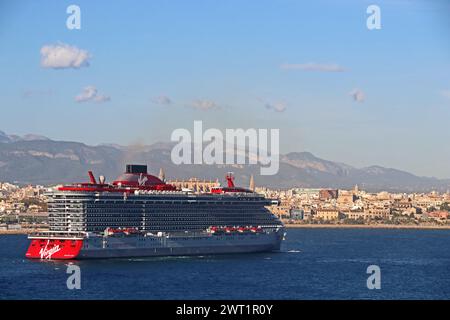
[{"x": 54, "y": 247}]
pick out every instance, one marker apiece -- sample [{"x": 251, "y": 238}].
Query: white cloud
[
  {"x": 445, "y": 93},
  {"x": 358, "y": 95},
  {"x": 90, "y": 93},
  {"x": 162, "y": 100},
  {"x": 312, "y": 66},
  {"x": 31, "y": 93},
  {"x": 62, "y": 56},
  {"x": 277, "y": 106},
  {"x": 204, "y": 105}
]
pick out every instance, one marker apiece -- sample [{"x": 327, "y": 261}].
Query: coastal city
[
  {"x": 219, "y": 159},
  {"x": 24, "y": 208}
]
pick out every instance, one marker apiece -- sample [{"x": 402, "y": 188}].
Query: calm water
[{"x": 314, "y": 264}]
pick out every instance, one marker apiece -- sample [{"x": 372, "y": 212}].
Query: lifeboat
[
  {"x": 256, "y": 229},
  {"x": 121, "y": 231},
  {"x": 230, "y": 229},
  {"x": 131, "y": 231},
  {"x": 213, "y": 229}
]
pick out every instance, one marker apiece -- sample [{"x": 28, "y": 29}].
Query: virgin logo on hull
[{"x": 47, "y": 253}]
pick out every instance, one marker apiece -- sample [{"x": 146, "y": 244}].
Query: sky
[{"x": 135, "y": 71}]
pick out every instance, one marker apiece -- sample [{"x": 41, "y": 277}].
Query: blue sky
[{"x": 221, "y": 62}]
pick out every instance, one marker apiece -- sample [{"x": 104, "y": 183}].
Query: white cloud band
[
  {"x": 312, "y": 66},
  {"x": 63, "y": 56}
]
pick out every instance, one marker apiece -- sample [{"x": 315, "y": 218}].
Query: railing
[{"x": 57, "y": 234}]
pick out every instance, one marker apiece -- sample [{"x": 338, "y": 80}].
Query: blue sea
[{"x": 313, "y": 264}]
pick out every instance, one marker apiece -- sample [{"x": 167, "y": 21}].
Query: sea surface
[{"x": 313, "y": 264}]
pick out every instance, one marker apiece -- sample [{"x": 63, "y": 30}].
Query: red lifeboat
[{"x": 256, "y": 229}]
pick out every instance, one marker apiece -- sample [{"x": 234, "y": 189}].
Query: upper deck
[
  {"x": 139, "y": 200},
  {"x": 135, "y": 180}
]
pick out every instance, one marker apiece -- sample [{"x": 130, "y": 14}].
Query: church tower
[
  {"x": 162, "y": 175},
  {"x": 252, "y": 183}
]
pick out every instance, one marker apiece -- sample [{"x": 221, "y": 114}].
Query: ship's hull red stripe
[{"x": 59, "y": 249}]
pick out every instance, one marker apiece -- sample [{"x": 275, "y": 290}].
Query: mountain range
[{"x": 36, "y": 159}]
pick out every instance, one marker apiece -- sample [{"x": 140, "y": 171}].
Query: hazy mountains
[
  {"x": 13, "y": 138},
  {"x": 39, "y": 160}
]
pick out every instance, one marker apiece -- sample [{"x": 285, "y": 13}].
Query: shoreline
[
  {"x": 363, "y": 226},
  {"x": 21, "y": 231},
  {"x": 298, "y": 226}
]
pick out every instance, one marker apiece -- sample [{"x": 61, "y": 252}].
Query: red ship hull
[{"x": 59, "y": 249}]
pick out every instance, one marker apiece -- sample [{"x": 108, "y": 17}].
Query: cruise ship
[{"x": 140, "y": 215}]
